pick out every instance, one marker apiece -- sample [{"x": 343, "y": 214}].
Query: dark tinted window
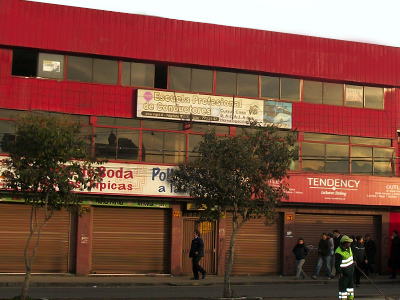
[
  {"x": 290, "y": 89},
  {"x": 202, "y": 81},
  {"x": 225, "y": 83},
  {"x": 312, "y": 91},
  {"x": 247, "y": 85},
  {"x": 105, "y": 71},
  {"x": 332, "y": 94},
  {"x": 270, "y": 87},
  {"x": 179, "y": 78},
  {"x": 24, "y": 63},
  {"x": 79, "y": 68}
]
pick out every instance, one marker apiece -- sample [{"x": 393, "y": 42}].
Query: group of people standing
[{"x": 348, "y": 256}]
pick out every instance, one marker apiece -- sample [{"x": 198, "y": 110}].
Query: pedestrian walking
[
  {"x": 395, "y": 254},
  {"x": 324, "y": 254},
  {"x": 360, "y": 258},
  {"x": 300, "y": 251},
  {"x": 345, "y": 268},
  {"x": 370, "y": 249},
  {"x": 196, "y": 253},
  {"x": 336, "y": 238}
]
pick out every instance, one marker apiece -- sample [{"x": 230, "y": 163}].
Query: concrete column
[
  {"x": 288, "y": 242},
  {"x": 84, "y": 242},
  {"x": 176, "y": 240}
]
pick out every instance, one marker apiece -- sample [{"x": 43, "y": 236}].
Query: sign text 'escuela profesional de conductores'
[{"x": 212, "y": 109}]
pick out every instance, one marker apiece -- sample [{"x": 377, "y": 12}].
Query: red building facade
[{"x": 103, "y": 68}]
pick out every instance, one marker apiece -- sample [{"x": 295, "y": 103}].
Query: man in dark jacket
[
  {"x": 395, "y": 254},
  {"x": 360, "y": 258},
  {"x": 370, "y": 249},
  {"x": 196, "y": 253},
  {"x": 324, "y": 251}
]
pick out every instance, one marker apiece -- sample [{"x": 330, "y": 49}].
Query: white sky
[{"x": 370, "y": 21}]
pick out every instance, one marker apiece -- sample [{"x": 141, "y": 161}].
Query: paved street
[{"x": 167, "y": 287}]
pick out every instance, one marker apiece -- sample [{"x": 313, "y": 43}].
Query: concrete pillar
[
  {"x": 176, "y": 240},
  {"x": 84, "y": 242},
  {"x": 288, "y": 242}
]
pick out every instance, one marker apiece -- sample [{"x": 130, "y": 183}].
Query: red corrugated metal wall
[
  {"x": 77, "y": 30},
  {"x": 80, "y": 30}
]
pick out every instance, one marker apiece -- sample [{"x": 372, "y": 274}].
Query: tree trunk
[
  {"x": 228, "y": 293},
  {"x": 25, "y": 287}
]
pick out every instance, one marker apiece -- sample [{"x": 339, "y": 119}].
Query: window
[
  {"x": 225, "y": 83},
  {"x": 105, "y": 71},
  {"x": 383, "y": 163},
  {"x": 164, "y": 147},
  {"x": 202, "y": 81},
  {"x": 79, "y": 68},
  {"x": 179, "y": 78},
  {"x": 312, "y": 91},
  {"x": 371, "y": 141},
  {"x": 24, "y": 63},
  {"x": 7, "y": 135},
  {"x": 373, "y": 97},
  {"x": 290, "y": 89},
  {"x": 51, "y": 66},
  {"x": 117, "y": 143},
  {"x": 270, "y": 87},
  {"x": 194, "y": 141},
  {"x": 361, "y": 160},
  {"x": 121, "y": 122},
  {"x": 247, "y": 85},
  {"x": 332, "y": 94},
  {"x": 354, "y": 96},
  {"x": 88, "y": 69}
]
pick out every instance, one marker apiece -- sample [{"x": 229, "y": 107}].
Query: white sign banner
[
  {"x": 211, "y": 109},
  {"x": 131, "y": 180}
]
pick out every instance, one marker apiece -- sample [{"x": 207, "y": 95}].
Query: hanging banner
[{"x": 212, "y": 109}]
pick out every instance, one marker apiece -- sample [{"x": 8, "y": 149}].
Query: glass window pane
[
  {"x": 312, "y": 91},
  {"x": 361, "y": 160},
  {"x": 164, "y": 147},
  {"x": 79, "y": 68},
  {"x": 225, "y": 83},
  {"x": 203, "y": 128},
  {"x": 354, "y": 96},
  {"x": 194, "y": 141},
  {"x": 337, "y": 151},
  {"x": 332, "y": 94},
  {"x": 152, "y": 124},
  {"x": 313, "y": 166},
  {"x": 373, "y": 97},
  {"x": 384, "y": 168},
  {"x": 383, "y": 153},
  {"x": 371, "y": 141},
  {"x": 105, "y": 142},
  {"x": 142, "y": 74},
  {"x": 270, "y": 87},
  {"x": 24, "y": 63},
  {"x": 337, "y": 166},
  {"x": 128, "y": 144},
  {"x": 126, "y": 73},
  {"x": 105, "y": 71},
  {"x": 174, "y": 147},
  {"x": 7, "y": 135},
  {"x": 290, "y": 89},
  {"x": 313, "y": 150},
  {"x": 152, "y": 147},
  {"x": 247, "y": 85},
  {"x": 179, "y": 78},
  {"x": 202, "y": 81},
  {"x": 51, "y": 66},
  {"x": 320, "y": 137}
]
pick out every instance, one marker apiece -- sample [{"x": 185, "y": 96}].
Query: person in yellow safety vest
[{"x": 345, "y": 268}]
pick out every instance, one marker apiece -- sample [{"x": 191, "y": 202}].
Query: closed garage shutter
[
  {"x": 131, "y": 241},
  {"x": 311, "y": 226},
  {"x": 256, "y": 248},
  {"x": 52, "y": 253}
]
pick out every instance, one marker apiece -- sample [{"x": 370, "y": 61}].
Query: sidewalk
[{"x": 60, "y": 280}]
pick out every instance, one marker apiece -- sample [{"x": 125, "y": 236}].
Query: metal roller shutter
[
  {"x": 131, "y": 241},
  {"x": 311, "y": 226},
  {"x": 52, "y": 253},
  {"x": 256, "y": 247}
]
